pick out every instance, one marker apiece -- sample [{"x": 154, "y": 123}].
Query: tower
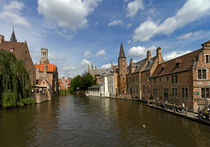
[
  {"x": 122, "y": 66},
  {"x": 13, "y": 37},
  {"x": 44, "y": 56}
]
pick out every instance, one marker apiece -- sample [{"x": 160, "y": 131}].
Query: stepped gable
[{"x": 169, "y": 67}]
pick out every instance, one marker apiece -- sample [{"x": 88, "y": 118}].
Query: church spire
[
  {"x": 13, "y": 38},
  {"x": 122, "y": 53}
]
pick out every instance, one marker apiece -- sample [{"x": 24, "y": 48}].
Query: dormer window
[
  {"x": 177, "y": 65},
  {"x": 207, "y": 58}
]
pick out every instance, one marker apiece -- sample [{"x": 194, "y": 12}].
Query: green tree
[
  {"x": 15, "y": 83},
  {"x": 87, "y": 81},
  {"x": 81, "y": 83}
]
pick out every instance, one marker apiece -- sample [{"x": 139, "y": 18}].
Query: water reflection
[{"x": 81, "y": 121}]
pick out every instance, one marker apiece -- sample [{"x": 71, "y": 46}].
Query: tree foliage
[
  {"x": 81, "y": 82},
  {"x": 14, "y": 81}
]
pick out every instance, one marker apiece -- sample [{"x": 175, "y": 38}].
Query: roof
[
  {"x": 139, "y": 64},
  {"x": 122, "y": 53},
  {"x": 185, "y": 63},
  {"x": 150, "y": 63},
  {"x": 50, "y": 67}
]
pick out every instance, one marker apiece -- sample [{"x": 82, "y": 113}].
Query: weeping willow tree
[{"x": 15, "y": 84}]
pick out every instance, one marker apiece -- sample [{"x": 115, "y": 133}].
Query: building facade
[
  {"x": 184, "y": 79},
  {"x": 64, "y": 83},
  {"x": 47, "y": 72},
  {"x": 21, "y": 51}
]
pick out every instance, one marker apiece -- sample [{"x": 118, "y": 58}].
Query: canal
[{"x": 81, "y": 121}]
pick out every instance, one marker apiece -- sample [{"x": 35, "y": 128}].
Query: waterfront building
[
  {"x": 21, "y": 51},
  {"x": 184, "y": 79},
  {"x": 147, "y": 72},
  {"x": 64, "y": 83},
  {"x": 96, "y": 73},
  {"x": 47, "y": 74},
  {"x": 108, "y": 85}
]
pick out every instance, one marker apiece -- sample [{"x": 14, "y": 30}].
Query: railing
[{"x": 202, "y": 114}]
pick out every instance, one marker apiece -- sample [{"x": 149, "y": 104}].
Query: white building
[{"x": 106, "y": 83}]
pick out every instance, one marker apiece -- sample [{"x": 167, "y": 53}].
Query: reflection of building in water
[{"x": 47, "y": 74}]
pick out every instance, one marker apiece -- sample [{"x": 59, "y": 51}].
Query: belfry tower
[{"x": 122, "y": 66}]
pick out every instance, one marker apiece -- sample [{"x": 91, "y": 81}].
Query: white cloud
[
  {"x": 69, "y": 68},
  {"x": 133, "y": 7},
  {"x": 191, "y": 11},
  {"x": 71, "y": 14},
  {"x": 85, "y": 62},
  {"x": 174, "y": 54},
  {"x": 115, "y": 22},
  {"x": 190, "y": 35},
  {"x": 11, "y": 12},
  {"x": 145, "y": 31},
  {"x": 100, "y": 53},
  {"x": 140, "y": 51},
  {"x": 87, "y": 54},
  {"x": 106, "y": 66}
]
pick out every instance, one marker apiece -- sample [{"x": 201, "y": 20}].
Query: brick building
[
  {"x": 184, "y": 79},
  {"x": 139, "y": 73},
  {"x": 47, "y": 74},
  {"x": 64, "y": 83},
  {"x": 21, "y": 51}
]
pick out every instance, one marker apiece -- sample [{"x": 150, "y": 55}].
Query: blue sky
[{"x": 80, "y": 32}]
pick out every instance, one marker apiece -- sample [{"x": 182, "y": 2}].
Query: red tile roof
[
  {"x": 169, "y": 67},
  {"x": 50, "y": 67}
]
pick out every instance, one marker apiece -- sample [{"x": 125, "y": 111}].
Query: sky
[{"x": 80, "y": 32}]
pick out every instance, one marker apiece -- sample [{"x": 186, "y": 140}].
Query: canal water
[{"x": 82, "y": 121}]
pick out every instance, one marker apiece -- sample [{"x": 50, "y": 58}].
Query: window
[
  {"x": 154, "y": 80},
  {"x": 144, "y": 89},
  {"x": 148, "y": 76},
  {"x": 207, "y": 58},
  {"x": 177, "y": 65},
  {"x": 202, "y": 74},
  {"x": 154, "y": 92},
  {"x": 162, "y": 69},
  {"x": 160, "y": 80},
  {"x": 205, "y": 93},
  {"x": 167, "y": 78},
  {"x": 184, "y": 92},
  {"x": 174, "y": 78},
  {"x": 174, "y": 91}
]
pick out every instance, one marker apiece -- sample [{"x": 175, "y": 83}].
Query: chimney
[
  {"x": 1, "y": 39},
  {"x": 148, "y": 55},
  {"x": 206, "y": 45},
  {"x": 159, "y": 56}
]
